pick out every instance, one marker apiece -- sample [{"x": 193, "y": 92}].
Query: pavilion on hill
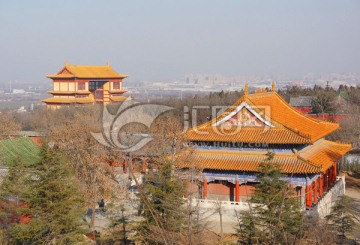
[
  {"x": 229, "y": 148},
  {"x": 78, "y": 84}
]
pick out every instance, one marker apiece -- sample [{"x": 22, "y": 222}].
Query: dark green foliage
[
  {"x": 11, "y": 187},
  {"x": 275, "y": 215},
  {"x": 50, "y": 197},
  {"x": 164, "y": 214}
]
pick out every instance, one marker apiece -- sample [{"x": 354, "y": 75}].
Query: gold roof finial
[
  {"x": 273, "y": 87},
  {"x": 108, "y": 64},
  {"x": 246, "y": 89},
  {"x": 66, "y": 63}
]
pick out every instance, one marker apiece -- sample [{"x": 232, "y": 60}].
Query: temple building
[
  {"x": 77, "y": 84},
  {"x": 229, "y": 149}
]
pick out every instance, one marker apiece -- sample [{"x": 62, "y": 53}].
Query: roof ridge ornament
[
  {"x": 237, "y": 110},
  {"x": 273, "y": 87},
  {"x": 246, "y": 89}
]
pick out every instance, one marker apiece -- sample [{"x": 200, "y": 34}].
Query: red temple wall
[
  {"x": 227, "y": 188},
  {"x": 246, "y": 190},
  {"x": 220, "y": 188},
  {"x": 37, "y": 140}
]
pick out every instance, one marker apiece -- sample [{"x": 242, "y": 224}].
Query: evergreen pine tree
[
  {"x": 52, "y": 202},
  {"x": 11, "y": 187},
  {"x": 275, "y": 215},
  {"x": 164, "y": 213}
]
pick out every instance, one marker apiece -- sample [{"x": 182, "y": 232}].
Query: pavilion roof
[
  {"x": 324, "y": 153},
  {"x": 246, "y": 161},
  {"x": 68, "y": 100},
  {"x": 86, "y": 71},
  {"x": 282, "y": 124},
  {"x": 316, "y": 158},
  {"x": 279, "y": 135}
]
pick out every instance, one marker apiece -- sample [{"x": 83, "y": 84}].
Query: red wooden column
[
  {"x": 315, "y": 191},
  {"x": 330, "y": 179},
  {"x": 237, "y": 191},
  {"x": 334, "y": 172},
  {"x": 308, "y": 193},
  {"x": 321, "y": 182},
  {"x": 205, "y": 188},
  {"x": 325, "y": 181}
]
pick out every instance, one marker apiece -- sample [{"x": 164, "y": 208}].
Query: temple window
[
  {"x": 116, "y": 85},
  {"x": 94, "y": 85}
]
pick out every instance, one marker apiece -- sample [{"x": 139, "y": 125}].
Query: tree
[
  {"x": 164, "y": 213},
  {"x": 89, "y": 159},
  {"x": 274, "y": 216},
  {"x": 12, "y": 186},
  {"x": 354, "y": 95},
  {"x": 341, "y": 218},
  {"x": 324, "y": 101},
  {"x": 7, "y": 124},
  {"x": 50, "y": 198},
  {"x": 350, "y": 128},
  {"x": 315, "y": 230}
]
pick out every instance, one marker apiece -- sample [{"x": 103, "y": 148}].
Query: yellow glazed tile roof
[
  {"x": 315, "y": 158},
  {"x": 117, "y": 91},
  {"x": 69, "y": 92},
  {"x": 245, "y": 161},
  {"x": 68, "y": 100},
  {"x": 279, "y": 135},
  {"x": 324, "y": 153},
  {"x": 288, "y": 125},
  {"x": 283, "y": 113},
  {"x": 80, "y": 71}
]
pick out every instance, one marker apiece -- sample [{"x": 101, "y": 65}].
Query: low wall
[
  {"x": 226, "y": 206},
  {"x": 209, "y": 212},
  {"x": 325, "y": 205},
  {"x": 209, "y": 208}
]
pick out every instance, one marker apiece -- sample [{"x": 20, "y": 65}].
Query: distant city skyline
[{"x": 165, "y": 40}]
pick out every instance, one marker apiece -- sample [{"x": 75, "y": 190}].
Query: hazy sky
[{"x": 159, "y": 40}]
